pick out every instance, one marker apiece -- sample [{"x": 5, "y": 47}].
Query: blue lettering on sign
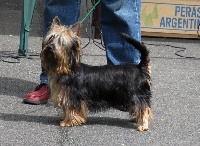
[
  {"x": 185, "y": 17},
  {"x": 177, "y": 10},
  {"x": 190, "y": 21},
  {"x": 185, "y": 23},
  {"x": 194, "y": 14},
  {"x": 183, "y": 11},
  {"x": 168, "y": 21},
  {"x": 162, "y": 22},
  {"x": 179, "y": 23},
  {"x": 198, "y": 11},
  {"x": 188, "y": 11},
  {"x": 174, "y": 23}
]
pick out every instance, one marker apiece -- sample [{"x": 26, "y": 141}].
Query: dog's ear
[
  {"x": 76, "y": 28},
  {"x": 56, "y": 21}
]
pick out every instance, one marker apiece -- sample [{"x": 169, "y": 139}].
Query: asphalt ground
[{"x": 175, "y": 102}]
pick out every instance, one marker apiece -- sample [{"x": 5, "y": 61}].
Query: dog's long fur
[{"x": 78, "y": 87}]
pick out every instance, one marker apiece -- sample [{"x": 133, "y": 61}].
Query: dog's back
[{"x": 110, "y": 85}]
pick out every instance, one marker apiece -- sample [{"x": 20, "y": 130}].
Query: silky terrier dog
[{"x": 78, "y": 88}]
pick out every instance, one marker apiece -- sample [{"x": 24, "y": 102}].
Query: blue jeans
[{"x": 117, "y": 16}]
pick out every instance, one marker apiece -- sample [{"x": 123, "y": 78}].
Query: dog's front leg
[
  {"x": 73, "y": 117},
  {"x": 66, "y": 118}
]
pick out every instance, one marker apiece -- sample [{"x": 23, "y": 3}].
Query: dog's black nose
[{"x": 48, "y": 48}]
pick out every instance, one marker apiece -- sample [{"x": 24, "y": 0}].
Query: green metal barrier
[{"x": 26, "y": 23}]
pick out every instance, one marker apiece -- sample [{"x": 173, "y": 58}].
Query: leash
[{"x": 90, "y": 11}]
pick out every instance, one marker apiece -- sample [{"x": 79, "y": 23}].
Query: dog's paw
[
  {"x": 142, "y": 128},
  {"x": 65, "y": 124}
]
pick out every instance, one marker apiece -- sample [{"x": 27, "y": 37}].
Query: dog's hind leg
[
  {"x": 145, "y": 116},
  {"x": 73, "y": 117}
]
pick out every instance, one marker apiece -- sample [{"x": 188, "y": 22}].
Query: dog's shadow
[
  {"x": 110, "y": 121},
  {"x": 49, "y": 120}
]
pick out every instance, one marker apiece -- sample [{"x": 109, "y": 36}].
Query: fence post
[{"x": 26, "y": 23}]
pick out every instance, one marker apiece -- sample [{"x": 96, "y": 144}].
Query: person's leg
[
  {"x": 120, "y": 16},
  {"x": 68, "y": 11}
]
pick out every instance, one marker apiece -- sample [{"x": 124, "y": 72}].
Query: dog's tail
[{"x": 145, "y": 59}]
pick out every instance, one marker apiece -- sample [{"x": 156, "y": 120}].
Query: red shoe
[{"x": 37, "y": 96}]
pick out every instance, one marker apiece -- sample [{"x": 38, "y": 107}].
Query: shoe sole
[{"x": 35, "y": 102}]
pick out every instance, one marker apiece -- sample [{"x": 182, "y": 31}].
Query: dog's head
[{"x": 61, "y": 49}]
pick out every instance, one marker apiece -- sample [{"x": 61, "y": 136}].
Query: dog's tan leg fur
[
  {"x": 73, "y": 117},
  {"x": 144, "y": 118}
]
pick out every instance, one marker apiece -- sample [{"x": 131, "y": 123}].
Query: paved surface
[{"x": 175, "y": 103}]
